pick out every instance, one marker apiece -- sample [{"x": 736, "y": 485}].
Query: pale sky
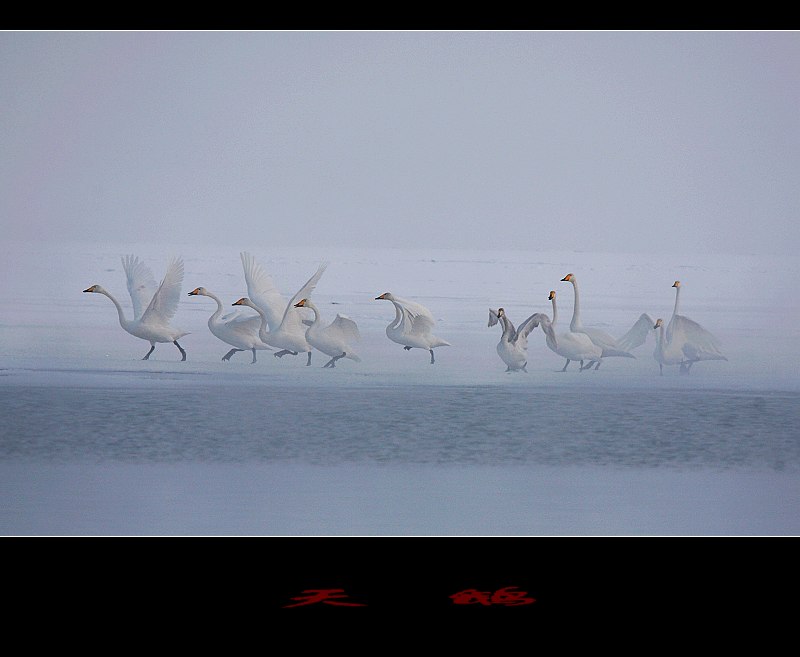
[{"x": 676, "y": 142}]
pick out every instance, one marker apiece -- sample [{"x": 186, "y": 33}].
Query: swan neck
[
  {"x": 555, "y": 313},
  {"x": 262, "y": 330},
  {"x": 677, "y": 299},
  {"x": 218, "y": 312},
  {"x": 314, "y": 310},
  {"x": 398, "y": 316},
  {"x": 123, "y": 322},
  {"x": 575, "y": 324}
]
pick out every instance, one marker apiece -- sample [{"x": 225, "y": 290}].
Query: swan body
[
  {"x": 239, "y": 332},
  {"x": 333, "y": 340},
  {"x": 283, "y": 326},
  {"x": 412, "y": 325},
  {"x": 513, "y": 345},
  {"x": 610, "y": 346},
  {"x": 153, "y": 308}
]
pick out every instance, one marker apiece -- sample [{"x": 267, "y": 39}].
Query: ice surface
[{"x": 719, "y": 453}]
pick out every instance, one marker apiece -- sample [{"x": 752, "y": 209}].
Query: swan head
[
  {"x": 244, "y": 301},
  {"x": 500, "y": 312},
  {"x": 569, "y": 278},
  {"x": 659, "y": 322},
  {"x": 676, "y": 284},
  {"x": 301, "y": 303},
  {"x": 552, "y": 295},
  {"x": 386, "y": 295},
  {"x": 95, "y": 288},
  {"x": 198, "y": 290}
]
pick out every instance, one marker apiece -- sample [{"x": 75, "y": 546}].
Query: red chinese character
[
  {"x": 325, "y": 596},
  {"x": 505, "y": 596}
]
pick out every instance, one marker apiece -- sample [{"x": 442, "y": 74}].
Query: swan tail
[
  {"x": 353, "y": 357},
  {"x": 438, "y": 342}
]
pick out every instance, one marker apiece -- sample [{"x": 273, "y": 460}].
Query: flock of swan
[{"x": 283, "y": 326}]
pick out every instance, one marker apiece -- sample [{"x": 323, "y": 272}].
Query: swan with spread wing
[
  {"x": 153, "y": 308},
  {"x": 513, "y": 345},
  {"x": 684, "y": 336},
  {"x": 284, "y": 328},
  {"x": 412, "y": 325},
  {"x": 241, "y": 332}
]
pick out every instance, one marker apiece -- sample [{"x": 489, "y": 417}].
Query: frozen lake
[{"x": 95, "y": 441}]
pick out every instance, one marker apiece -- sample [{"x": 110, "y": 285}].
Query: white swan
[
  {"x": 694, "y": 341},
  {"x": 290, "y": 334},
  {"x": 610, "y": 345},
  {"x": 412, "y": 325},
  {"x": 333, "y": 340},
  {"x": 152, "y": 311},
  {"x": 240, "y": 332},
  {"x": 571, "y": 345},
  {"x": 513, "y": 345},
  {"x": 666, "y": 351}
]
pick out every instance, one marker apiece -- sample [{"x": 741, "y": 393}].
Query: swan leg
[
  {"x": 309, "y": 359},
  {"x": 525, "y": 367},
  {"x": 564, "y": 369},
  {"x": 254, "y": 356},
  {"x": 152, "y": 348},
  {"x": 230, "y": 353},
  {"x": 183, "y": 353},
  {"x": 332, "y": 361},
  {"x": 432, "y": 361},
  {"x": 598, "y": 364},
  {"x": 283, "y": 352}
]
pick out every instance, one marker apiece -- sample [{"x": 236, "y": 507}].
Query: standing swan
[
  {"x": 333, "y": 340},
  {"x": 152, "y": 323},
  {"x": 666, "y": 351},
  {"x": 695, "y": 342},
  {"x": 241, "y": 332},
  {"x": 412, "y": 325},
  {"x": 607, "y": 343},
  {"x": 513, "y": 345},
  {"x": 571, "y": 345}
]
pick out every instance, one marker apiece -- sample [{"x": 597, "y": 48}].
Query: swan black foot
[
  {"x": 432, "y": 361},
  {"x": 183, "y": 353},
  {"x": 564, "y": 369},
  {"x": 283, "y": 352},
  {"x": 332, "y": 361},
  {"x": 309, "y": 359},
  {"x": 254, "y": 356},
  {"x": 407, "y": 348},
  {"x": 227, "y": 356}
]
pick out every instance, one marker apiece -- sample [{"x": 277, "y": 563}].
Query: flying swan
[
  {"x": 513, "y": 345},
  {"x": 289, "y": 332},
  {"x": 333, "y": 340},
  {"x": 412, "y": 325},
  {"x": 610, "y": 345},
  {"x": 240, "y": 332},
  {"x": 152, "y": 310}
]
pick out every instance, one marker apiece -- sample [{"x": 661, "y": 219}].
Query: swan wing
[
  {"x": 415, "y": 308},
  {"x": 246, "y": 326},
  {"x": 292, "y": 318},
  {"x": 345, "y": 328},
  {"x": 141, "y": 283},
  {"x": 695, "y": 341},
  {"x": 262, "y": 291},
  {"x": 164, "y": 303},
  {"x": 537, "y": 319},
  {"x": 637, "y": 334},
  {"x": 493, "y": 318}
]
